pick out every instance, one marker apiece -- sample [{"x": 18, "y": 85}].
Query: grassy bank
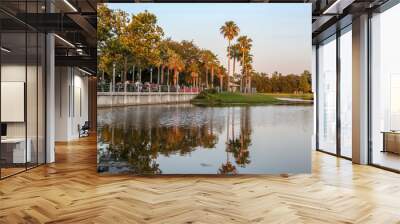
[
  {"x": 303, "y": 96},
  {"x": 227, "y": 98}
]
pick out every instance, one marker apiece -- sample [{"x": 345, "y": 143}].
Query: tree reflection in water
[
  {"x": 237, "y": 146},
  {"x": 137, "y": 148}
]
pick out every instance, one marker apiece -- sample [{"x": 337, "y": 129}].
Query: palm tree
[
  {"x": 245, "y": 46},
  {"x": 206, "y": 57},
  {"x": 221, "y": 73},
  {"x": 230, "y": 30},
  {"x": 235, "y": 55},
  {"x": 175, "y": 63},
  {"x": 214, "y": 63},
  {"x": 194, "y": 73},
  {"x": 248, "y": 68}
]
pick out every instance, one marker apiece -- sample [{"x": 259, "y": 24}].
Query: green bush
[
  {"x": 206, "y": 94},
  {"x": 202, "y": 95},
  {"x": 211, "y": 91}
]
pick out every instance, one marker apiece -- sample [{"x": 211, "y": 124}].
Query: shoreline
[
  {"x": 280, "y": 103},
  {"x": 228, "y": 99},
  {"x": 240, "y": 99}
]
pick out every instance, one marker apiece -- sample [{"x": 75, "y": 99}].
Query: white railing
[{"x": 143, "y": 88}]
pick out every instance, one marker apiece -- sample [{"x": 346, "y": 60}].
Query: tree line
[
  {"x": 278, "y": 83},
  {"x": 134, "y": 48}
]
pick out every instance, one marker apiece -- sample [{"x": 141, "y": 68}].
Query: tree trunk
[
  {"x": 125, "y": 71},
  {"x": 250, "y": 83},
  {"x": 133, "y": 74},
  {"x": 113, "y": 80},
  {"x": 151, "y": 75},
  {"x": 207, "y": 78},
  {"x": 162, "y": 74},
  {"x": 198, "y": 80},
  {"x": 229, "y": 58},
  {"x": 220, "y": 83},
  {"x": 247, "y": 84},
  {"x": 212, "y": 76},
  {"x": 243, "y": 73},
  {"x": 234, "y": 62},
  {"x": 167, "y": 76},
  {"x": 140, "y": 74},
  {"x": 175, "y": 77},
  {"x": 241, "y": 84},
  {"x": 158, "y": 75}
]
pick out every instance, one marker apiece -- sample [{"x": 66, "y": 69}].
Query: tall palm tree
[
  {"x": 235, "y": 55},
  {"x": 245, "y": 45},
  {"x": 230, "y": 30},
  {"x": 206, "y": 57},
  {"x": 248, "y": 68},
  {"x": 221, "y": 73},
  {"x": 214, "y": 63},
  {"x": 194, "y": 73},
  {"x": 176, "y": 64}
]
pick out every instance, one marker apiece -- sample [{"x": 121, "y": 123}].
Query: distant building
[{"x": 233, "y": 87}]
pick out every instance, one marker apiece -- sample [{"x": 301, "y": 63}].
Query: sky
[{"x": 281, "y": 33}]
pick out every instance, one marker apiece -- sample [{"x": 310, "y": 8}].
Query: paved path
[{"x": 294, "y": 100}]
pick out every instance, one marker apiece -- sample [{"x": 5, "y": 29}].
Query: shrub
[{"x": 206, "y": 94}]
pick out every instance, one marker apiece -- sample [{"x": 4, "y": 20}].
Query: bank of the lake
[{"x": 229, "y": 98}]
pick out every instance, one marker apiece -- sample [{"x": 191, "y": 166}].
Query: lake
[{"x": 187, "y": 139}]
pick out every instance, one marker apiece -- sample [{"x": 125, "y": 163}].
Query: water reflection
[{"x": 187, "y": 139}]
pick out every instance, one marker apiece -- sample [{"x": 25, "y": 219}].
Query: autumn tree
[{"x": 143, "y": 36}]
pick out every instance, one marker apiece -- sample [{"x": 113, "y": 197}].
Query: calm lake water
[{"x": 186, "y": 139}]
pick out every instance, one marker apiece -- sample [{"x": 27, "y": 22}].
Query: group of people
[{"x": 139, "y": 86}]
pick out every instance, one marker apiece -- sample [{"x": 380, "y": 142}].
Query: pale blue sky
[{"x": 281, "y": 33}]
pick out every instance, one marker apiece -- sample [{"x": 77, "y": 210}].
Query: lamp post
[
  {"x": 151, "y": 75},
  {"x": 133, "y": 74},
  {"x": 113, "y": 80}
]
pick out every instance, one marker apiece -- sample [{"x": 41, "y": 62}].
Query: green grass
[
  {"x": 228, "y": 98},
  {"x": 233, "y": 98},
  {"x": 303, "y": 96}
]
